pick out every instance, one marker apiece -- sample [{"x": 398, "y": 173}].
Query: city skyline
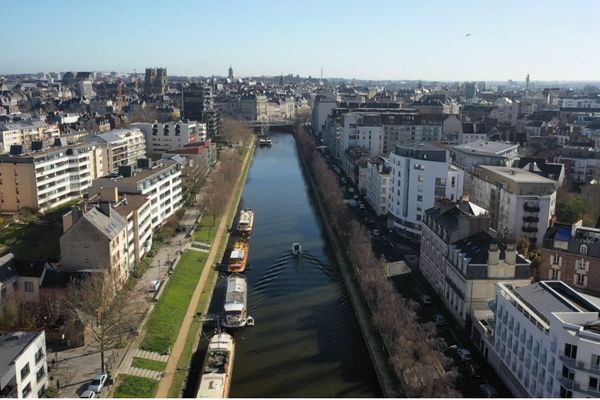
[{"x": 435, "y": 41}]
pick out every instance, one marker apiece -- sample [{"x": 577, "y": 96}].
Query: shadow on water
[{"x": 306, "y": 341}]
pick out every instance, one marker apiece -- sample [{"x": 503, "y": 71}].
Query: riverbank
[
  {"x": 188, "y": 337},
  {"x": 375, "y": 346}
]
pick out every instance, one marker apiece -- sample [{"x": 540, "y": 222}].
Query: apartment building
[
  {"x": 443, "y": 224},
  {"x": 120, "y": 147},
  {"x": 520, "y": 202},
  {"x": 378, "y": 185},
  {"x": 48, "y": 177},
  {"x": 484, "y": 152},
  {"x": 571, "y": 253},
  {"x": 23, "y": 366},
  {"x": 160, "y": 182},
  {"x": 162, "y": 137},
  {"x": 421, "y": 175},
  {"x": 25, "y": 132},
  {"x": 545, "y": 340},
  {"x": 582, "y": 163},
  {"x": 20, "y": 280},
  {"x": 96, "y": 239}
]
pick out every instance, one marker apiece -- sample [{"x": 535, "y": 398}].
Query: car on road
[
  {"x": 439, "y": 320},
  {"x": 488, "y": 390},
  {"x": 88, "y": 394},
  {"x": 464, "y": 354},
  {"x": 426, "y": 299},
  {"x": 97, "y": 383}
]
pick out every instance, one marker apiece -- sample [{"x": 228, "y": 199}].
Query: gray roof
[
  {"x": 109, "y": 226},
  {"x": 7, "y": 267},
  {"x": 486, "y": 147},
  {"x": 11, "y": 346}
]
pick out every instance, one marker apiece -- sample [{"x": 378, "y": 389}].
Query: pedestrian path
[
  {"x": 149, "y": 355},
  {"x": 144, "y": 373}
]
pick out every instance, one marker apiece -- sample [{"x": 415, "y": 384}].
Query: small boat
[
  {"x": 262, "y": 142},
  {"x": 246, "y": 221},
  {"x": 296, "y": 249},
  {"x": 269, "y": 142},
  {"x": 236, "y": 313},
  {"x": 217, "y": 369},
  {"x": 238, "y": 257}
]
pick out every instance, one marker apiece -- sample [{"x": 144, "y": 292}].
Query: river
[{"x": 306, "y": 341}]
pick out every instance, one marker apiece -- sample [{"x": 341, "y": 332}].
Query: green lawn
[
  {"x": 32, "y": 240},
  {"x": 205, "y": 232},
  {"x": 135, "y": 386},
  {"x": 166, "y": 318},
  {"x": 148, "y": 364}
]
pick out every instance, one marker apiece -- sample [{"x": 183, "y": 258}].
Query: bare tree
[{"x": 235, "y": 132}]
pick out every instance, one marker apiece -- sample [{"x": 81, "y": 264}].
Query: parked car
[
  {"x": 88, "y": 394},
  {"x": 154, "y": 286},
  {"x": 464, "y": 354},
  {"x": 439, "y": 320},
  {"x": 97, "y": 383},
  {"x": 425, "y": 299},
  {"x": 488, "y": 390}
]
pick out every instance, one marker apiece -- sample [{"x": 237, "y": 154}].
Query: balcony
[
  {"x": 532, "y": 209},
  {"x": 531, "y": 219},
  {"x": 568, "y": 361},
  {"x": 529, "y": 229}
]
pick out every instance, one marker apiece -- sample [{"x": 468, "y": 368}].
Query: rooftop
[
  {"x": 486, "y": 147},
  {"x": 109, "y": 226},
  {"x": 514, "y": 174},
  {"x": 11, "y": 346},
  {"x": 476, "y": 247}
]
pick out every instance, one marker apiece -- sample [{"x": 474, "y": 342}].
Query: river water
[{"x": 306, "y": 341}]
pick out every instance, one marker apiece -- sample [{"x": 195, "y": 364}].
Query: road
[{"x": 412, "y": 285}]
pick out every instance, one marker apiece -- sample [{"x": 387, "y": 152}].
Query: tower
[
  {"x": 230, "y": 74},
  {"x": 527, "y": 82}
]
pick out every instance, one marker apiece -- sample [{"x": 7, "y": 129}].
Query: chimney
[
  {"x": 576, "y": 226},
  {"x": 70, "y": 218},
  {"x": 493, "y": 254},
  {"x": 510, "y": 255},
  {"x": 105, "y": 208},
  {"x": 109, "y": 194}
]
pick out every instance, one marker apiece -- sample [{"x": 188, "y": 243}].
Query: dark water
[{"x": 306, "y": 342}]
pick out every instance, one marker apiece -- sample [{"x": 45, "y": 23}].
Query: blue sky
[{"x": 552, "y": 40}]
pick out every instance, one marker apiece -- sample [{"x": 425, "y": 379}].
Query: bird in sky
[{"x": 468, "y": 35}]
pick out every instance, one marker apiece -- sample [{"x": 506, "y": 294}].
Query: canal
[{"x": 306, "y": 341}]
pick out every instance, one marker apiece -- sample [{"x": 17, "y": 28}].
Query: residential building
[
  {"x": 161, "y": 182},
  {"x": 539, "y": 166},
  {"x": 354, "y": 164},
  {"x": 155, "y": 81},
  {"x": 420, "y": 175},
  {"x": 545, "y": 340},
  {"x": 520, "y": 203},
  {"x": 46, "y": 178},
  {"x": 25, "y": 132},
  {"x": 473, "y": 266},
  {"x": 378, "y": 185},
  {"x": 571, "y": 253},
  {"x": 471, "y": 132},
  {"x": 85, "y": 89},
  {"x": 253, "y": 107},
  {"x": 96, "y": 239},
  {"x": 161, "y": 137},
  {"x": 120, "y": 147},
  {"x": 582, "y": 163},
  {"x": 443, "y": 224},
  {"x": 484, "y": 152},
  {"x": 20, "y": 280},
  {"x": 322, "y": 108},
  {"x": 23, "y": 366},
  {"x": 199, "y": 105}
]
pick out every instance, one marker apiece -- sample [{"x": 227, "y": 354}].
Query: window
[
  {"x": 419, "y": 197},
  {"x": 583, "y": 249},
  {"x": 27, "y": 390},
  {"x": 554, "y": 273},
  {"x": 593, "y": 383},
  {"x": 25, "y": 371},
  {"x": 40, "y": 373},
  {"x": 556, "y": 259},
  {"x": 570, "y": 350},
  {"x": 565, "y": 394},
  {"x": 29, "y": 287},
  {"x": 595, "y": 361}
]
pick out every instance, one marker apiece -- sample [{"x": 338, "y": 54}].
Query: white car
[
  {"x": 97, "y": 383},
  {"x": 464, "y": 354},
  {"x": 88, "y": 394}
]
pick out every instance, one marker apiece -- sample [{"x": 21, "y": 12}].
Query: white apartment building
[
  {"x": 162, "y": 137},
  {"x": 370, "y": 138},
  {"x": 161, "y": 183},
  {"x": 545, "y": 340},
  {"x": 322, "y": 108},
  {"x": 582, "y": 163},
  {"x": 378, "y": 185},
  {"x": 49, "y": 177},
  {"x": 420, "y": 175},
  {"x": 580, "y": 103},
  {"x": 520, "y": 202},
  {"x": 85, "y": 89},
  {"x": 23, "y": 367},
  {"x": 25, "y": 132},
  {"x": 484, "y": 152},
  {"x": 120, "y": 147}
]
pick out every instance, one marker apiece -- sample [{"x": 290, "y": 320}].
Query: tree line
[{"x": 416, "y": 352}]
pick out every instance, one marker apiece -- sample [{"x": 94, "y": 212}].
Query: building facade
[
  {"x": 23, "y": 366},
  {"x": 120, "y": 147},
  {"x": 162, "y": 137},
  {"x": 378, "y": 185}
]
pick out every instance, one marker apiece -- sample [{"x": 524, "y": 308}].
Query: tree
[
  {"x": 572, "y": 208},
  {"x": 105, "y": 314},
  {"x": 235, "y": 132},
  {"x": 523, "y": 246}
]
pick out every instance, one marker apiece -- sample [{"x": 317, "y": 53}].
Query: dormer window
[{"x": 583, "y": 249}]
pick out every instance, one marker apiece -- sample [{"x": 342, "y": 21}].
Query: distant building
[
  {"x": 582, "y": 163},
  {"x": 155, "y": 81},
  {"x": 23, "y": 366},
  {"x": 199, "y": 105},
  {"x": 421, "y": 175},
  {"x": 230, "y": 73},
  {"x": 541, "y": 167},
  {"x": 161, "y": 137},
  {"x": 520, "y": 203},
  {"x": 23, "y": 133},
  {"x": 544, "y": 340},
  {"x": 378, "y": 185},
  {"x": 120, "y": 147}
]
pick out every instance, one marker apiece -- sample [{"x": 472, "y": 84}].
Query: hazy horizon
[{"x": 384, "y": 40}]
